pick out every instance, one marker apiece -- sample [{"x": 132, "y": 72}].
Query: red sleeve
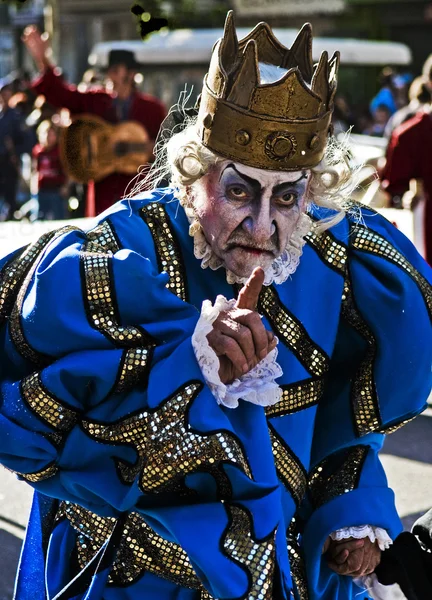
[
  {"x": 61, "y": 95},
  {"x": 150, "y": 112},
  {"x": 402, "y": 163}
]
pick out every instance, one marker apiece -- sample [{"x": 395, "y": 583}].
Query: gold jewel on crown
[{"x": 278, "y": 126}]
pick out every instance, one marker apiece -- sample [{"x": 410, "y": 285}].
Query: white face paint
[{"x": 248, "y": 214}]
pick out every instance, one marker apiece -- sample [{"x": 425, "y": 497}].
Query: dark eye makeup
[{"x": 241, "y": 188}]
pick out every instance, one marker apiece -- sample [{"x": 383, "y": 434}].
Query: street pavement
[{"x": 407, "y": 459}]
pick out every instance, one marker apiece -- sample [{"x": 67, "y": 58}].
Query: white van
[{"x": 172, "y": 59}]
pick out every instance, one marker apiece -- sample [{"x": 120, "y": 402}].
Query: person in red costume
[
  {"x": 123, "y": 103},
  {"x": 409, "y": 156}
]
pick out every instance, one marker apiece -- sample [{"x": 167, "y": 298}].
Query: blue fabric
[
  {"x": 385, "y": 98},
  {"x": 82, "y": 369}
]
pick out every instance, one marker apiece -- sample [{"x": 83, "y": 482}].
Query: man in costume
[
  {"x": 176, "y": 452},
  {"x": 124, "y": 104}
]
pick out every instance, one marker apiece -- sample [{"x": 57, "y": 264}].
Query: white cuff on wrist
[
  {"x": 362, "y": 531},
  {"x": 258, "y": 386}
]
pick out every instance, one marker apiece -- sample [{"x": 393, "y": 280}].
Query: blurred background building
[{"x": 79, "y": 24}]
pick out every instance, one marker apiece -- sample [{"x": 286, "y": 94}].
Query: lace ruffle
[
  {"x": 257, "y": 386},
  {"x": 278, "y": 272},
  {"x": 359, "y": 532}
]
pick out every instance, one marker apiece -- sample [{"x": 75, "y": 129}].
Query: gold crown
[{"x": 278, "y": 126}]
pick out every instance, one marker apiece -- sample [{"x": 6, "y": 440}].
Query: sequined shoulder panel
[
  {"x": 292, "y": 333},
  {"x": 99, "y": 291},
  {"x": 166, "y": 446},
  {"x": 331, "y": 251},
  {"x": 367, "y": 240},
  {"x": 167, "y": 248},
  {"x": 21, "y": 272},
  {"x": 257, "y": 557},
  {"x": 337, "y": 474}
]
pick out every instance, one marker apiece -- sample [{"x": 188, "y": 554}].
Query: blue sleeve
[
  {"x": 95, "y": 331},
  {"x": 380, "y": 378}
]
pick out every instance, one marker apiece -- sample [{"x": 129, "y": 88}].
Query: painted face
[{"x": 249, "y": 214}]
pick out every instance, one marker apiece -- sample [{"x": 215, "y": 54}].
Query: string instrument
[{"x": 91, "y": 149}]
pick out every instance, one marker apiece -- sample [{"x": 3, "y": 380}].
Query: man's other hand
[
  {"x": 353, "y": 557},
  {"x": 239, "y": 337}
]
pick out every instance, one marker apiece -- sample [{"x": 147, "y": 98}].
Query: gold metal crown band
[{"x": 282, "y": 125}]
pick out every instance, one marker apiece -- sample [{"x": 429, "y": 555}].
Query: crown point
[
  {"x": 320, "y": 80},
  {"x": 300, "y": 53},
  {"x": 247, "y": 76},
  {"x": 229, "y": 43}
]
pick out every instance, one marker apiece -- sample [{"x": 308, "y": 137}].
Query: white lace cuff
[
  {"x": 257, "y": 386},
  {"x": 362, "y": 531}
]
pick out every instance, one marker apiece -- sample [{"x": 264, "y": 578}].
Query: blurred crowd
[
  {"x": 33, "y": 181},
  {"x": 399, "y": 98}
]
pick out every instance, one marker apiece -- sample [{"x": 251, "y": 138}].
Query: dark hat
[{"x": 122, "y": 57}]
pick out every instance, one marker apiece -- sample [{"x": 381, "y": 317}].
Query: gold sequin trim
[
  {"x": 29, "y": 263},
  {"x": 363, "y": 393},
  {"x": 332, "y": 252},
  {"x": 140, "y": 548},
  {"x": 337, "y": 474},
  {"x": 41, "y": 475},
  {"x": 167, "y": 447},
  {"x": 257, "y": 557},
  {"x": 292, "y": 333},
  {"x": 134, "y": 368},
  {"x": 99, "y": 293},
  {"x": 14, "y": 272},
  {"x": 297, "y": 564},
  {"x": 369, "y": 241},
  {"x": 45, "y": 406},
  {"x": 295, "y": 397},
  {"x": 167, "y": 247},
  {"x": 102, "y": 239},
  {"x": 289, "y": 468},
  {"x": 393, "y": 428}
]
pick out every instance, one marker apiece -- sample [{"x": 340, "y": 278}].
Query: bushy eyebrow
[
  {"x": 287, "y": 184},
  {"x": 255, "y": 184}
]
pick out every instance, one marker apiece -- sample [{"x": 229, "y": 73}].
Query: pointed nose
[{"x": 260, "y": 225}]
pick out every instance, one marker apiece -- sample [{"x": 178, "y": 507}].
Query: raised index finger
[{"x": 249, "y": 294}]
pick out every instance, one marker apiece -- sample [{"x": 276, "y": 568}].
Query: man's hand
[
  {"x": 38, "y": 46},
  {"x": 239, "y": 337},
  {"x": 353, "y": 557}
]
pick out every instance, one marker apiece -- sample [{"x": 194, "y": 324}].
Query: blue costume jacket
[{"x": 146, "y": 488}]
